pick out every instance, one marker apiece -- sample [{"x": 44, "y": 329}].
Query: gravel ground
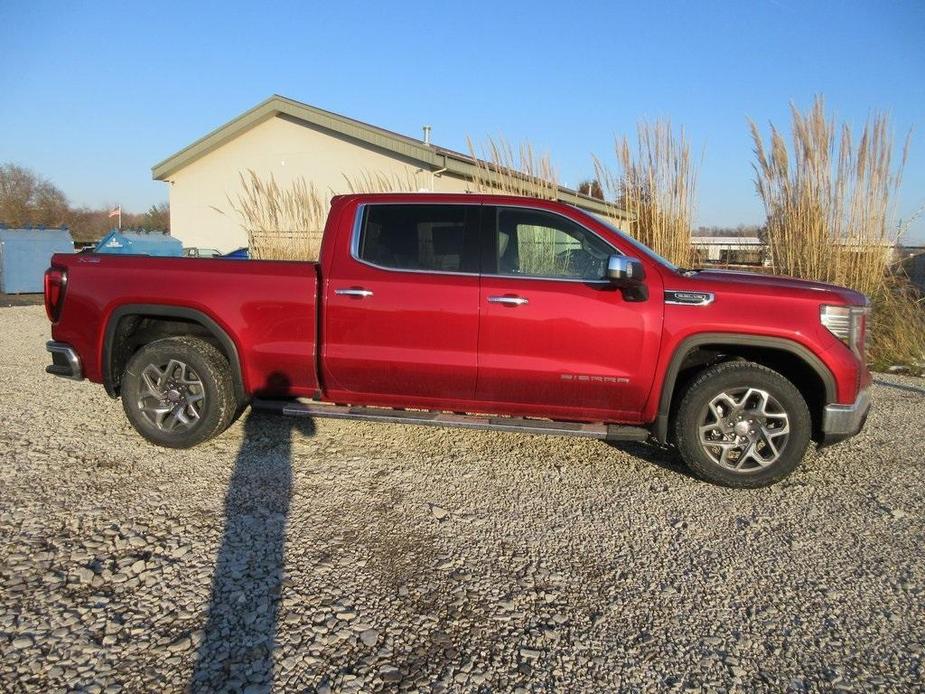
[{"x": 359, "y": 557}]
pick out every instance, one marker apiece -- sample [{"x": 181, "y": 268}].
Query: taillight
[{"x": 55, "y": 283}]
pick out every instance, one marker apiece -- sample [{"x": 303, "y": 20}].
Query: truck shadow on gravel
[
  {"x": 240, "y": 636},
  {"x": 654, "y": 454}
]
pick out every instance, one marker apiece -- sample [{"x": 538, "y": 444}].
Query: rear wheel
[
  {"x": 177, "y": 392},
  {"x": 741, "y": 424}
]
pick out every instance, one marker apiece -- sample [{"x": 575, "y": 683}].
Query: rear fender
[{"x": 110, "y": 379}]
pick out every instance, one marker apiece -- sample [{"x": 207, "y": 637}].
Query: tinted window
[
  {"x": 540, "y": 244},
  {"x": 420, "y": 237}
]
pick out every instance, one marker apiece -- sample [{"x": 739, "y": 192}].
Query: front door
[
  {"x": 556, "y": 338},
  {"x": 400, "y": 322}
]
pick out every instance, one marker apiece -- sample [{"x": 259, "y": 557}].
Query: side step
[{"x": 608, "y": 432}]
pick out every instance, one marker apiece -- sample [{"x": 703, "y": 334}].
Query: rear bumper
[
  {"x": 840, "y": 422},
  {"x": 64, "y": 361}
]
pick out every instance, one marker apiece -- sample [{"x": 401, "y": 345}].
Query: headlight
[{"x": 848, "y": 324}]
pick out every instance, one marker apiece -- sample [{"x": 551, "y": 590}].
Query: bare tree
[
  {"x": 592, "y": 188},
  {"x": 27, "y": 199},
  {"x": 157, "y": 218}
]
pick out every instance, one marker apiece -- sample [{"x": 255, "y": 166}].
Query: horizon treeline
[{"x": 28, "y": 200}]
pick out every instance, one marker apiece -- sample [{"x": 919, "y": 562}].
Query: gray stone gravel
[{"x": 336, "y": 556}]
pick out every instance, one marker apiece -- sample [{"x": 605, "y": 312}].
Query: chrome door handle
[
  {"x": 508, "y": 300},
  {"x": 353, "y": 292}
]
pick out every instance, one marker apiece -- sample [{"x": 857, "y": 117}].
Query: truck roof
[{"x": 450, "y": 198}]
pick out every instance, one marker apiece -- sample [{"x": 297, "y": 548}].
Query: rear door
[
  {"x": 401, "y": 306},
  {"x": 555, "y": 337}
]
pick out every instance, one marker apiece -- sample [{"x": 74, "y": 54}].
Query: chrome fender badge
[{"x": 683, "y": 298}]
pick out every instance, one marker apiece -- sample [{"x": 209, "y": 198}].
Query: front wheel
[
  {"x": 177, "y": 392},
  {"x": 741, "y": 424}
]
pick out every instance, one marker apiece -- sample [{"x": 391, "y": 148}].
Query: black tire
[
  {"x": 204, "y": 372},
  {"x": 752, "y": 449}
]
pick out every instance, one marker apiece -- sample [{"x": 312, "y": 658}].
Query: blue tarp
[
  {"x": 139, "y": 243},
  {"x": 25, "y": 254}
]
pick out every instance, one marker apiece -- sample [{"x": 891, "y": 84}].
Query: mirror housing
[{"x": 623, "y": 270}]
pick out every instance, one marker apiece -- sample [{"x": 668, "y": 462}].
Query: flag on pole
[{"x": 117, "y": 212}]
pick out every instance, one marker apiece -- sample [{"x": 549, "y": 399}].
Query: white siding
[{"x": 200, "y": 214}]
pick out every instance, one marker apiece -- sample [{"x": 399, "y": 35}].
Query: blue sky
[{"x": 95, "y": 93}]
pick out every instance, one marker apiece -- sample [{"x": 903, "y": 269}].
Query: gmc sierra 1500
[{"x": 478, "y": 311}]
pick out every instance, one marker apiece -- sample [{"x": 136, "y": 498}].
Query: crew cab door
[
  {"x": 555, "y": 337},
  {"x": 401, "y": 301}
]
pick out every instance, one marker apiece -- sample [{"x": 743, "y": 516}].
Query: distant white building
[{"x": 730, "y": 250}]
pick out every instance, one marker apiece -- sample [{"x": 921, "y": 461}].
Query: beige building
[{"x": 292, "y": 140}]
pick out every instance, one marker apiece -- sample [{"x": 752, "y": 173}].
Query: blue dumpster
[
  {"x": 139, "y": 243},
  {"x": 25, "y": 254}
]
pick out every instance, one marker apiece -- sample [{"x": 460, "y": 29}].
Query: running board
[{"x": 608, "y": 432}]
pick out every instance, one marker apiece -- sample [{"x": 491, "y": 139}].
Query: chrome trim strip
[
  {"x": 547, "y": 279},
  {"x": 708, "y": 297},
  {"x": 353, "y": 292},
  {"x": 73, "y": 360}
]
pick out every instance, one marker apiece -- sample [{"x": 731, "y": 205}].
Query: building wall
[{"x": 200, "y": 212}]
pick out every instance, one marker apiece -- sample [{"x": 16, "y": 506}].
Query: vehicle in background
[
  {"x": 238, "y": 254},
  {"x": 477, "y": 311},
  {"x": 157, "y": 243},
  {"x": 201, "y": 252}
]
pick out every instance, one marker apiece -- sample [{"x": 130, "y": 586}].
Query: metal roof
[
  {"x": 727, "y": 241},
  {"x": 430, "y": 156}
]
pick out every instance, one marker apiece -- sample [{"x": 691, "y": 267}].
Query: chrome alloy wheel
[
  {"x": 744, "y": 429},
  {"x": 172, "y": 396}
]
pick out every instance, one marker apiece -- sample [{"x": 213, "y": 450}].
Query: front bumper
[
  {"x": 64, "y": 361},
  {"x": 840, "y": 422}
]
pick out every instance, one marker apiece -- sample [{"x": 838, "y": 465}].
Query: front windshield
[{"x": 645, "y": 250}]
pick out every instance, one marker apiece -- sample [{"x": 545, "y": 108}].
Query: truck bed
[{"x": 267, "y": 309}]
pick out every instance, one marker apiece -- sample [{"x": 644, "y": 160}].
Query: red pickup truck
[{"x": 486, "y": 312}]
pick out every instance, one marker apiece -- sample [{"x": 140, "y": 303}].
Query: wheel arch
[
  {"x": 125, "y": 320},
  {"x": 795, "y": 361}
]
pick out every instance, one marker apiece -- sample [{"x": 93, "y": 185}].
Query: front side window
[
  {"x": 533, "y": 243},
  {"x": 437, "y": 238}
]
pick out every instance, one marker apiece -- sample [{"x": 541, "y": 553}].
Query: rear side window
[{"x": 436, "y": 238}]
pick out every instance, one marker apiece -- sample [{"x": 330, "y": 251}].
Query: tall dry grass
[
  {"x": 897, "y": 331},
  {"x": 502, "y": 170},
  {"x": 829, "y": 201},
  {"x": 499, "y": 170},
  {"x": 656, "y": 183},
  {"x": 282, "y": 223},
  {"x": 287, "y": 222},
  {"x": 367, "y": 181}
]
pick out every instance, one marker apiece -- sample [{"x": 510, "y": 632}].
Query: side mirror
[{"x": 624, "y": 270}]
